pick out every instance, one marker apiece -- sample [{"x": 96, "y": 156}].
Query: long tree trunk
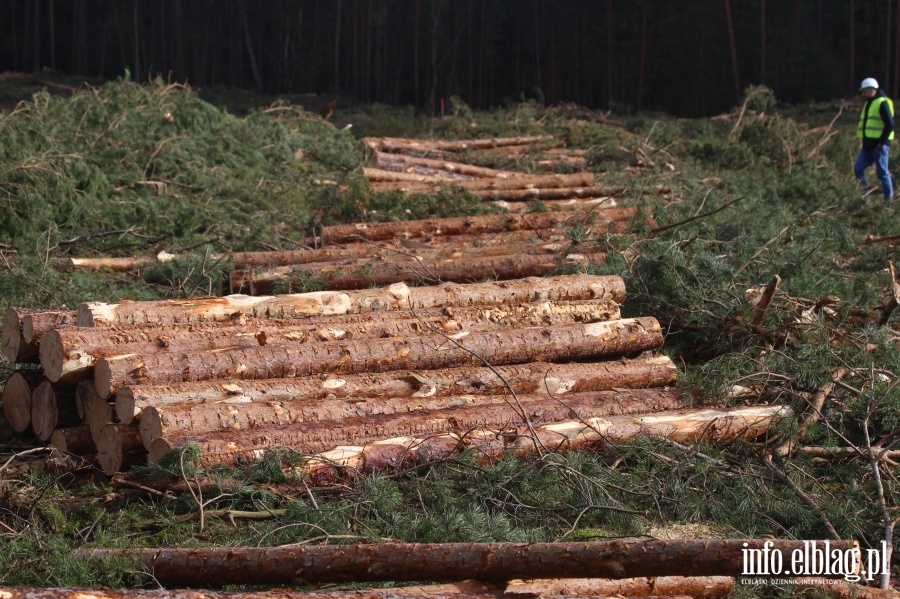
[
  {"x": 698, "y": 587},
  {"x": 395, "y": 454},
  {"x": 536, "y": 377},
  {"x": 218, "y": 566},
  {"x": 395, "y": 297},
  {"x": 361, "y": 254},
  {"x": 463, "y": 269},
  {"x": 397, "y": 144},
  {"x": 194, "y": 420},
  {"x": 391, "y": 161},
  {"x": 511, "y": 346},
  {"x": 69, "y": 355},
  {"x": 470, "y": 225},
  {"x": 529, "y": 182}
]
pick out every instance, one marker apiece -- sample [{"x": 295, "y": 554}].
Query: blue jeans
[{"x": 879, "y": 157}]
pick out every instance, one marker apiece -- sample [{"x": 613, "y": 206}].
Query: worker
[{"x": 876, "y": 130}]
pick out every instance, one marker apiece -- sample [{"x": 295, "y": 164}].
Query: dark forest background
[{"x": 687, "y": 58}]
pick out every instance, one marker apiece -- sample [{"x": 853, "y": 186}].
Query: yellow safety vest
[{"x": 871, "y": 125}]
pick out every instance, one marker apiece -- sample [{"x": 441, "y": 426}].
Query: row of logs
[
  {"x": 460, "y": 249},
  {"x": 367, "y": 380}
]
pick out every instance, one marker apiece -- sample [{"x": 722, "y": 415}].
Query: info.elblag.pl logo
[{"x": 816, "y": 558}]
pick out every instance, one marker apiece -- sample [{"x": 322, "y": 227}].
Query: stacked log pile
[{"x": 358, "y": 381}]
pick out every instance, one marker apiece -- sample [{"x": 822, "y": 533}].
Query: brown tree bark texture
[
  {"x": 74, "y": 439},
  {"x": 402, "y": 145},
  {"x": 213, "y": 567},
  {"x": 38, "y": 324},
  {"x": 119, "y": 446},
  {"x": 17, "y": 393},
  {"x": 52, "y": 407},
  {"x": 535, "y": 377},
  {"x": 395, "y": 297},
  {"x": 579, "y": 204},
  {"x": 525, "y": 195},
  {"x": 447, "y": 248},
  {"x": 393, "y": 161},
  {"x": 698, "y": 587},
  {"x": 469, "y": 225},
  {"x": 194, "y": 420},
  {"x": 461, "y": 270},
  {"x": 482, "y": 184},
  {"x": 394, "y": 455},
  {"x": 509, "y": 346},
  {"x": 229, "y": 447},
  {"x": 422, "y": 592},
  {"x": 68, "y": 355}
]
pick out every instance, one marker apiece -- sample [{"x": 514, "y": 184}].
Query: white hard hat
[{"x": 868, "y": 82}]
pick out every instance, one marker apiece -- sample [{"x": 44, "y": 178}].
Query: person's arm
[{"x": 888, "y": 120}]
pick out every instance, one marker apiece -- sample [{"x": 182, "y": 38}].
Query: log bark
[
  {"x": 525, "y": 195},
  {"x": 16, "y": 399},
  {"x": 218, "y": 566},
  {"x": 468, "y": 225},
  {"x": 456, "y": 591},
  {"x": 403, "y": 145},
  {"x": 395, "y": 297},
  {"x": 446, "y": 248},
  {"x": 484, "y": 184},
  {"x": 459, "y": 270},
  {"x": 698, "y": 587},
  {"x": 118, "y": 447},
  {"x": 511, "y": 346},
  {"x": 122, "y": 264},
  {"x": 195, "y": 420},
  {"x": 537, "y": 377},
  {"x": 52, "y": 407},
  {"x": 572, "y": 204},
  {"x": 69, "y": 355},
  {"x": 309, "y": 438},
  {"x": 38, "y": 324},
  {"x": 389, "y": 161},
  {"x": 396, "y": 454},
  {"x": 74, "y": 439}
]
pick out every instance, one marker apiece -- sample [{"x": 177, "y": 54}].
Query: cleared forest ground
[{"x": 767, "y": 270}]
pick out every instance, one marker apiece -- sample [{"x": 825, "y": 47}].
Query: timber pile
[
  {"x": 357, "y": 381},
  {"x": 461, "y": 249}
]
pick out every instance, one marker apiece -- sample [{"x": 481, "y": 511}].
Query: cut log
[
  {"x": 196, "y": 420},
  {"x": 395, "y": 297},
  {"x": 118, "y": 447},
  {"x": 460, "y": 270},
  {"x": 387, "y": 161},
  {"x": 69, "y": 355},
  {"x": 14, "y": 347},
  {"x": 38, "y": 324},
  {"x": 100, "y": 412},
  {"x": 698, "y": 587},
  {"x": 218, "y": 566},
  {"x": 84, "y": 394},
  {"x": 403, "y": 145},
  {"x": 52, "y": 407},
  {"x": 484, "y": 184},
  {"x": 447, "y": 248},
  {"x": 394, "y": 455},
  {"x": 422, "y": 592},
  {"x": 122, "y": 264},
  {"x": 469, "y": 225},
  {"x": 17, "y": 395},
  {"x": 525, "y": 195},
  {"x": 511, "y": 346},
  {"x": 536, "y": 377},
  {"x": 577, "y": 204},
  {"x": 74, "y": 439}
]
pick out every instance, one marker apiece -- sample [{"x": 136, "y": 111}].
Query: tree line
[{"x": 688, "y": 58}]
